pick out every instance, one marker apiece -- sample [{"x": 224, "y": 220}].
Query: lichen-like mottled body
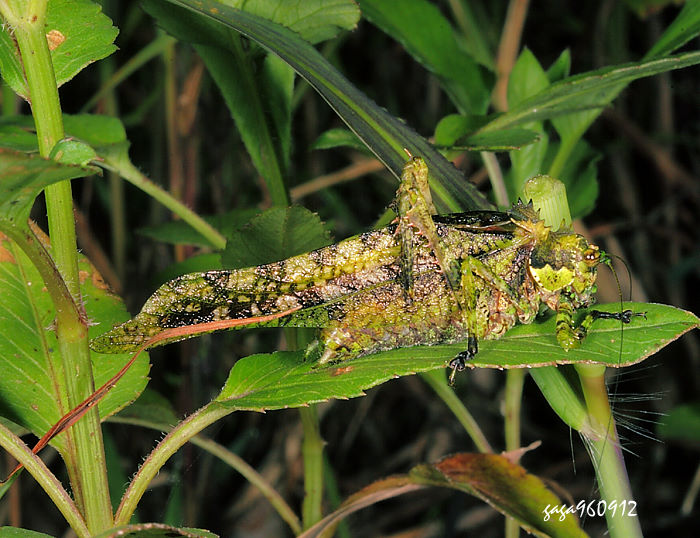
[{"x": 425, "y": 279}]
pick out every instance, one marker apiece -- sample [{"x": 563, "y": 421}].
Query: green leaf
[
  {"x": 425, "y": 34},
  {"x": 313, "y": 20},
  {"x": 14, "y": 532},
  {"x": 494, "y": 478},
  {"x": 178, "y": 232},
  {"x": 30, "y": 392},
  {"x": 682, "y": 423},
  {"x": 385, "y": 135},
  {"x": 24, "y": 176},
  {"x": 590, "y": 90},
  {"x": 284, "y": 379},
  {"x": 339, "y": 137},
  {"x": 95, "y": 130},
  {"x": 154, "y": 530},
  {"x": 81, "y": 34},
  {"x": 457, "y": 132},
  {"x": 276, "y": 234},
  {"x": 580, "y": 175},
  {"x": 526, "y": 79},
  {"x": 685, "y": 27},
  {"x": 194, "y": 264},
  {"x": 251, "y": 94},
  {"x": 561, "y": 68},
  {"x": 71, "y": 151},
  {"x": 506, "y": 486}
]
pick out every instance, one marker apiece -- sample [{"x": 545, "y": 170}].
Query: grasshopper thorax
[{"x": 564, "y": 262}]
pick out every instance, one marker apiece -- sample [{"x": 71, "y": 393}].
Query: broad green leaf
[
  {"x": 79, "y": 34},
  {"x": 276, "y": 234},
  {"x": 527, "y": 78},
  {"x": 685, "y": 27},
  {"x": 420, "y": 27},
  {"x": 682, "y": 423},
  {"x": 284, "y": 379},
  {"x": 178, "y": 232},
  {"x": 32, "y": 370},
  {"x": 154, "y": 530},
  {"x": 385, "y": 135},
  {"x": 24, "y": 176}
]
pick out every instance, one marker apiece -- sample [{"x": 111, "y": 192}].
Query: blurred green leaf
[
  {"x": 580, "y": 175},
  {"x": 420, "y": 27},
  {"x": 591, "y": 90},
  {"x": 24, "y": 176},
  {"x": 178, "y": 232},
  {"x": 682, "y": 423},
  {"x": 274, "y": 235},
  {"x": 154, "y": 530},
  {"x": 526, "y": 79},
  {"x": 14, "y": 532},
  {"x": 456, "y": 132},
  {"x": 685, "y": 27},
  {"x": 258, "y": 94},
  {"x": 339, "y": 137},
  {"x": 561, "y": 68},
  {"x": 80, "y": 32}
]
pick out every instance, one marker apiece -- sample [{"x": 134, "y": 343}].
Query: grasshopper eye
[{"x": 591, "y": 256}]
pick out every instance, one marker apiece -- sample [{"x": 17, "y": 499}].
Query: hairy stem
[{"x": 86, "y": 462}]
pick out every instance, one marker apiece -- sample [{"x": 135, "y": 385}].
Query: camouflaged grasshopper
[{"x": 425, "y": 279}]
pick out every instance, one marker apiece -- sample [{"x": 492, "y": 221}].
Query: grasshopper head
[{"x": 565, "y": 261}]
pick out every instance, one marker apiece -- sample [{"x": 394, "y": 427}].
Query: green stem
[
  {"x": 235, "y": 462},
  {"x": 170, "y": 444},
  {"x": 312, "y": 452},
  {"x": 121, "y": 165},
  {"x": 86, "y": 464},
  {"x": 45, "y": 478},
  {"x": 606, "y": 454},
  {"x": 436, "y": 380},
  {"x": 599, "y": 432},
  {"x": 513, "y": 398}
]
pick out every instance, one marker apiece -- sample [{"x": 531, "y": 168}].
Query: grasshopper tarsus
[
  {"x": 625, "y": 316},
  {"x": 459, "y": 363}
]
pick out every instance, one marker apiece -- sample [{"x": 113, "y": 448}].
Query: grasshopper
[{"x": 425, "y": 279}]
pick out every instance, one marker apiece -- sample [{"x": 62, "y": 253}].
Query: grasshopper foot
[
  {"x": 625, "y": 316},
  {"x": 459, "y": 363}
]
